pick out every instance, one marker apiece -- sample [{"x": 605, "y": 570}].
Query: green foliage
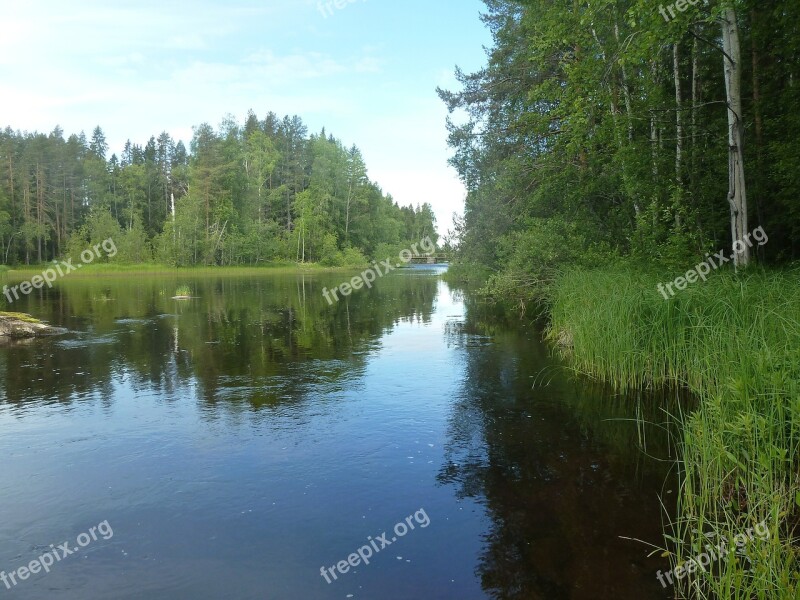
[
  {"x": 241, "y": 196},
  {"x": 329, "y": 250},
  {"x": 596, "y": 134},
  {"x": 133, "y": 247},
  {"x": 6, "y": 230},
  {"x": 100, "y": 226},
  {"x": 734, "y": 342},
  {"x": 534, "y": 256},
  {"x": 352, "y": 257},
  {"x": 469, "y": 276},
  {"x": 24, "y": 317},
  {"x": 386, "y": 250},
  {"x": 575, "y": 119},
  {"x": 349, "y": 257}
]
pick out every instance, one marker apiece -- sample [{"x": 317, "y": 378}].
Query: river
[{"x": 250, "y": 442}]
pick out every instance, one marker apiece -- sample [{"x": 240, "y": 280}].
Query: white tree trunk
[
  {"x": 696, "y": 86},
  {"x": 654, "y": 144},
  {"x": 626, "y": 91},
  {"x": 676, "y": 70},
  {"x": 737, "y": 191}
]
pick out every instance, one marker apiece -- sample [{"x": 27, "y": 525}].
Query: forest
[
  {"x": 599, "y": 130},
  {"x": 599, "y": 391},
  {"x": 610, "y": 146},
  {"x": 256, "y": 194}
]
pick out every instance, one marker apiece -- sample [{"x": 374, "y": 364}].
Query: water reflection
[
  {"x": 235, "y": 334},
  {"x": 556, "y": 462},
  {"x": 239, "y": 440}
]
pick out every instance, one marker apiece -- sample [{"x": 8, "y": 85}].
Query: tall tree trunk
[
  {"x": 654, "y": 142},
  {"x": 39, "y": 211},
  {"x": 676, "y": 69},
  {"x": 696, "y": 99},
  {"x": 288, "y": 212},
  {"x": 654, "y": 145},
  {"x": 626, "y": 90},
  {"x": 737, "y": 191},
  {"x": 694, "y": 167},
  {"x": 26, "y": 216},
  {"x": 11, "y": 195},
  {"x": 759, "y": 123},
  {"x": 626, "y": 94}
]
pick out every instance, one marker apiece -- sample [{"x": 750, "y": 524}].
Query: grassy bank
[
  {"x": 735, "y": 343},
  {"x": 123, "y": 270}
]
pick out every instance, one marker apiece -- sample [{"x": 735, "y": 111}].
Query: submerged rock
[{"x": 21, "y": 326}]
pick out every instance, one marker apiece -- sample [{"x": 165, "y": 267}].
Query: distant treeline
[
  {"x": 262, "y": 192},
  {"x": 601, "y": 129}
]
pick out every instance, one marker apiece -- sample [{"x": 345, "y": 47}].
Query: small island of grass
[{"x": 183, "y": 293}]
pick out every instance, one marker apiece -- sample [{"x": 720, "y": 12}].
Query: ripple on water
[{"x": 88, "y": 341}]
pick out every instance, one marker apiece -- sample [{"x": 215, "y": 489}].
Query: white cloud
[
  {"x": 440, "y": 188},
  {"x": 140, "y": 67}
]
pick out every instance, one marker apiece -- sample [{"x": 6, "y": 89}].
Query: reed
[
  {"x": 112, "y": 270},
  {"x": 734, "y": 342}
]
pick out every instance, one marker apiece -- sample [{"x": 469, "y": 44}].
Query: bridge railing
[{"x": 430, "y": 259}]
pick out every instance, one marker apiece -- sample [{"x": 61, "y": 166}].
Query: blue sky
[{"x": 366, "y": 71}]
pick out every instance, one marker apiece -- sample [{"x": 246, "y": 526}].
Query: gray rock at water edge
[{"x": 25, "y": 327}]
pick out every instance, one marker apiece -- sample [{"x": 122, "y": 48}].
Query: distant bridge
[{"x": 429, "y": 259}]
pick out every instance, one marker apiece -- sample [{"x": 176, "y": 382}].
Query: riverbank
[
  {"x": 155, "y": 270},
  {"x": 733, "y": 341},
  {"x": 527, "y": 473}
]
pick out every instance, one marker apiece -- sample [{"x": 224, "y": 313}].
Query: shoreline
[
  {"x": 732, "y": 342},
  {"x": 119, "y": 270},
  {"x": 22, "y": 326}
]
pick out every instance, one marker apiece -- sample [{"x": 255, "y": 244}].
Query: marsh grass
[
  {"x": 733, "y": 341},
  {"x": 26, "y": 318},
  {"x": 112, "y": 270}
]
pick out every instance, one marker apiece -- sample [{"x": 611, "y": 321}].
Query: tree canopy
[
  {"x": 240, "y": 194},
  {"x": 600, "y": 129}
]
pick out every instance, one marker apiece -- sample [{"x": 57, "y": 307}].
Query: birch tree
[{"x": 737, "y": 190}]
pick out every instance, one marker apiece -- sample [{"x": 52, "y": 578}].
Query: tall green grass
[
  {"x": 150, "y": 269},
  {"x": 734, "y": 341}
]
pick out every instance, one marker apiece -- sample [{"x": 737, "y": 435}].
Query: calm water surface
[{"x": 238, "y": 442}]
